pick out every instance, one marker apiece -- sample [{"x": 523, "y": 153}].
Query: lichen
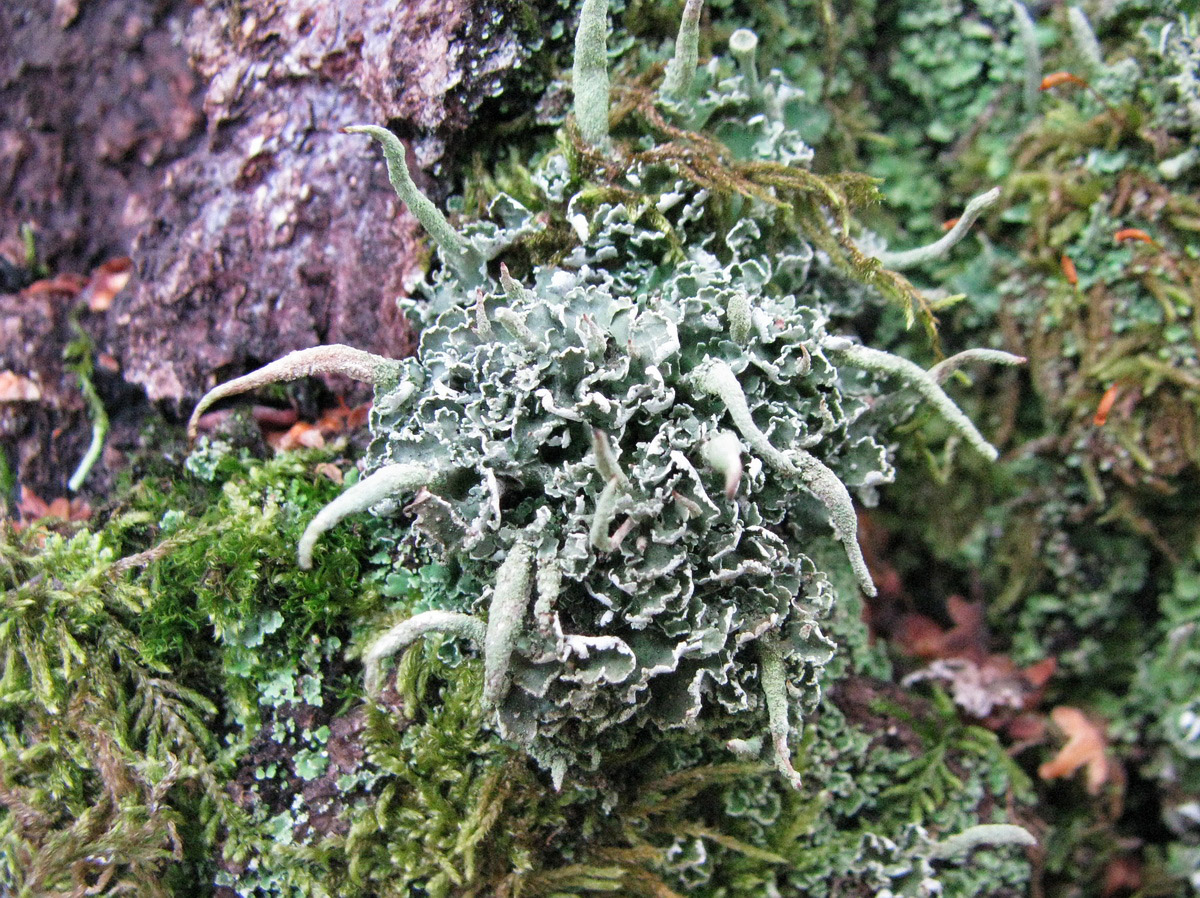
[{"x": 560, "y": 427}]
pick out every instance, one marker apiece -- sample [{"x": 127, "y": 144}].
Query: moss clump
[
  {"x": 137, "y": 655},
  {"x": 98, "y": 747},
  {"x": 169, "y": 728}
]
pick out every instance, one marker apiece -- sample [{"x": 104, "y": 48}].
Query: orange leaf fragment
[
  {"x": 300, "y": 435},
  {"x": 106, "y": 282},
  {"x": 1105, "y": 406},
  {"x": 920, "y": 636},
  {"x": 1068, "y": 270},
  {"x": 1085, "y": 747},
  {"x": 331, "y": 471},
  {"x": 16, "y": 388},
  {"x": 1056, "y": 79},
  {"x": 1133, "y": 234},
  {"x": 1124, "y": 875},
  {"x": 344, "y": 418},
  {"x": 69, "y": 284},
  {"x": 949, "y": 224},
  {"x": 31, "y": 507},
  {"x": 1039, "y": 673},
  {"x": 270, "y": 418}
]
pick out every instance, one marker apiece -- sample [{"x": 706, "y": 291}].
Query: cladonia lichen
[{"x": 639, "y": 437}]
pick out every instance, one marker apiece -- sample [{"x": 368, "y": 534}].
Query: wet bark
[{"x": 203, "y": 141}]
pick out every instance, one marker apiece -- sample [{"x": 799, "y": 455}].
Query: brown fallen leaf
[
  {"x": 65, "y": 12},
  {"x": 32, "y": 508},
  {"x": 979, "y": 689},
  {"x": 270, "y": 418},
  {"x": 300, "y": 435},
  {"x": 1038, "y": 675},
  {"x": 1124, "y": 875},
  {"x": 30, "y": 505},
  {"x": 1025, "y": 730},
  {"x": 923, "y": 637},
  {"x": 106, "y": 282},
  {"x": 992, "y": 689},
  {"x": 332, "y": 471},
  {"x": 1086, "y": 747},
  {"x": 17, "y": 388},
  {"x": 344, "y": 418},
  {"x": 67, "y": 284}
]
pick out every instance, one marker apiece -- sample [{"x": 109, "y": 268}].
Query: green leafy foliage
[{"x": 112, "y": 770}]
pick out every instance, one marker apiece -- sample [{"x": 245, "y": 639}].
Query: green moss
[
  {"x": 1086, "y": 553},
  {"x": 104, "y": 759},
  {"x": 131, "y": 648}
]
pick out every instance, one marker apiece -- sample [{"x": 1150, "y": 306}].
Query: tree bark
[{"x": 204, "y": 142}]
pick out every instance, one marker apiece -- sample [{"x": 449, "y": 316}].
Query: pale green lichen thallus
[{"x": 639, "y": 438}]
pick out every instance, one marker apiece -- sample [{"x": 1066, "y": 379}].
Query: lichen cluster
[
  {"x": 620, "y": 481},
  {"x": 1084, "y": 116},
  {"x": 643, "y": 436}
]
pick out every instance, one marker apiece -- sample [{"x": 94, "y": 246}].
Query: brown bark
[{"x": 203, "y": 141}]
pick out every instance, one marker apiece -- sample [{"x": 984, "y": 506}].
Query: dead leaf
[
  {"x": 332, "y": 471},
  {"x": 923, "y": 637},
  {"x": 300, "y": 435},
  {"x": 982, "y": 688},
  {"x": 106, "y": 282},
  {"x": 976, "y": 688},
  {"x": 32, "y": 508},
  {"x": 30, "y": 505},
  {"x": 987, "y": 685},
  {"x": 16, "y": 388},
  {"x": 65, "y": 12},
  {"x": 69, "y": 284},
  {"x": 1038, "y": 675},
  {"x": 344, "y": 418},
  {"x": 1086, "y": 747},
  {"x": 1123, "y": 876},
  {"x": 1026, "y": 729},
  {"x": 270, "y": 418}
]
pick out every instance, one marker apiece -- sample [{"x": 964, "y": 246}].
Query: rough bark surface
[
  {"x": 203, "y": 141},
  {"x": 95, "y": 100}
]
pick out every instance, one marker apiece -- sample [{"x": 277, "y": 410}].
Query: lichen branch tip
[
  {"x": 980, "y": 835},
  {"x": 347, "y": 361},
  {"x": 681, "y": 70},
  {"x": 922, "y": 381},
  {"x": 409, "y": 631},
  {"x": 466, "y": 261},
  {"x": 506, "y": 614},
  {"x": 743, "y": 46},
  {"x": 388, "y": 481},
  {"x": 943, "y": 369},
  {"x": 773, "y": 679},
  {"x": 589, "y": 75},
  {"x": 723, "y": 453},
  {"x": 904, "y": 259}
]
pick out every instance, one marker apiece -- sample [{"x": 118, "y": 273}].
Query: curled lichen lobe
[
  {"x": 641, "y": 439},
  {"x": 584, "y": 426}
]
